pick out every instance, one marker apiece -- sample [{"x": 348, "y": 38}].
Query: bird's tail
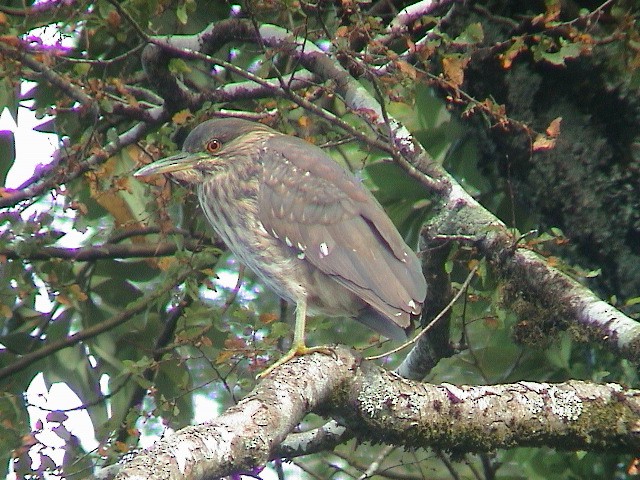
[{"x": 383, "y": 325}]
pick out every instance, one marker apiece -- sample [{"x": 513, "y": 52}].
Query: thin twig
[{"x": 463, "y": 289}]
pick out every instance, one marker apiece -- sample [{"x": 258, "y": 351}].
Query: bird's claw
[{"x": 297, "y": 351}]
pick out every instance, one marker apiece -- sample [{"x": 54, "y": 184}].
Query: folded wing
[{"x": 340, "y": 228}]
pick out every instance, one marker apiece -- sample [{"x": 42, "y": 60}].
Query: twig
[
  {"x": 63, "y": 84},
  {"x": 462, "y": 290},
  {"x": 170, "y": 322},
  {"x": 374, "y": 467},
  {"x": 59, "y": 176},
  {"x": 105, "y": 251}
]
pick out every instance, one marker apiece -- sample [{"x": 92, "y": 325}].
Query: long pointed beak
[{"x": 176, "y": 163}]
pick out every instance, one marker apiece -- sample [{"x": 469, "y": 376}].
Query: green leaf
[
  {"x": 81, "y": 69},
  {"x": 399, "y": 194},
  {"x": 19, "y": 342},
  {"x": 542, "y": 52},
  {"x": 471, "y": 35},
  {"x": 132, "y": 270},
  {"x": 7, "y": 154},
  {"x": 181, "y": 14},
  {"x": 117, "y": 292},
  {"x": 112, "y": 135},
  {"x": 178, "y": 66},
  {"x": 14, "y": 421},
  {"x": 632, "y": 301},
  {"x": 173, "y": 382},
  {"x": 10, "y": 96}
]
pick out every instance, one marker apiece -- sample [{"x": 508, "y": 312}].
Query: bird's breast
[{"x": 233, "y": 212}]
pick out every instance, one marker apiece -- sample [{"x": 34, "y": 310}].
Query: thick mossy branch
[
  {"x": 378, "y": 404},
  {"x": 530, "y": 278},
  {"x": 570, "y": 416}
]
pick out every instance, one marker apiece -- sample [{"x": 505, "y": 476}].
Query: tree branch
[
  {"x": 529, "y": 276},
  {"x": 64, "y": 84},
  {"x": 379, "y": 404},
  {"x": 106, "y": 251},
  {"x": 574, "y": 415},
  {"x": 245, "y": 436},
  {"x": 59, "y": 176},
  {"x": 319, "y": 439}
]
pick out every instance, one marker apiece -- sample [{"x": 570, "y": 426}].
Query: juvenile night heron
[{"x": 303, "y": 224}]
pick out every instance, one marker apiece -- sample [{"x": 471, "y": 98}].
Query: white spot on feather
[
  {"x": 306, "y": 174},
  {"x": 262, "y": 229},
  {"x": 301, "y": 247},
  {"x": 412, "y": 304},
  {"x": 301, "y": 255},
  {"x": 273, "y": 232},
  {"x": 397, "y": 314},
  {"x": 288, "y": 242},
  {"x": 324, "y": 250}
]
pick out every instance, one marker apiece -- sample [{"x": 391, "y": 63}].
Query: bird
[{"x": 308, "y": 228}]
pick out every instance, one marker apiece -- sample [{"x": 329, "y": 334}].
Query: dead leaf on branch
[
  {"x": 453, "y": 67},
  {"x": 553, "y": 130},
  {"x": 547, "y": 141}
]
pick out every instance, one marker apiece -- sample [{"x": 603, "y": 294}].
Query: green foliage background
[{"x": 179, "y": 328}]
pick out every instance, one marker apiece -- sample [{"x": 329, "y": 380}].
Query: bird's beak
[{"x": 176, "y": 163}]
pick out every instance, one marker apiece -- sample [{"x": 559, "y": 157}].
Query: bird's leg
[
  {"x": 299, "y": 344},
  {"x": 299, "y": 347}
]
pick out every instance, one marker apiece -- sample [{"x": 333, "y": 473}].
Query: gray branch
[{"x": 379, "y": 404}]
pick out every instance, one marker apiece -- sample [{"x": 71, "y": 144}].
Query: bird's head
[{"x": 210, "y": 148}]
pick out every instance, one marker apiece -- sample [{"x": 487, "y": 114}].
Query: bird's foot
[{"x": 296, "y": 351}]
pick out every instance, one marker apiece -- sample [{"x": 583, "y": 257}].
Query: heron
[{"x": 308, "y": 228}]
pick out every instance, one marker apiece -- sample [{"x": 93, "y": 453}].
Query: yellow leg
[{"x": 298, "y": 348}]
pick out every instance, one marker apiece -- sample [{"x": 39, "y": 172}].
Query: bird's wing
[{"x": 315, "y": 207}]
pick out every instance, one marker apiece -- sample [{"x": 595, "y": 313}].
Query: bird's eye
[{"x": 213, "y": 146}]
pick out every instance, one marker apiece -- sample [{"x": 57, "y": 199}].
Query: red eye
[{"x": 213, "y": 145}]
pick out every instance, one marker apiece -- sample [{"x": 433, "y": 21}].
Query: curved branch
[
  {"x": 378, "y": 404},
  {"x": 106, "y": 251},
  {"x": 400, "y": 24},
  {"x": 320, "y": 439},
  {"x": 528, "y": 274},
  {"x": 245, "y": 436},
  {"x": 249, "y": 89},
  {"x": 58, "y": 176}
]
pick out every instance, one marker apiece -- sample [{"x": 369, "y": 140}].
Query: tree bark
[{"x": 377, "y": 404}]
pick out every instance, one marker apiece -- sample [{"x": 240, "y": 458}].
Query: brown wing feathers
[{"x": 340, "y": 226}]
